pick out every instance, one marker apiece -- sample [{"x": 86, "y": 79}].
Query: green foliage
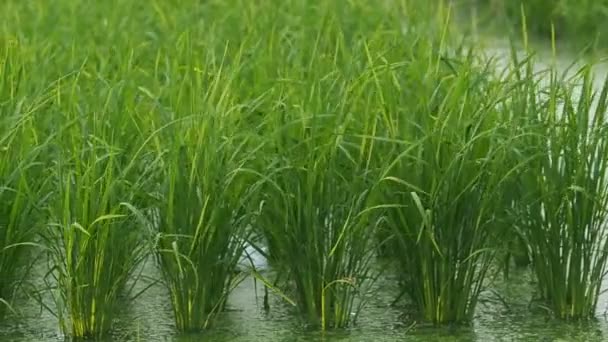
[
  {"x": 20, "y": 197},
  {"x": 22, "y": 180},
  {"x": 201, "y": 225},
  {"x": 201, "y": 217},
  {"x": 314, "y": 166},
  {"x": 443, "y": 189},
  {"x": 314, "y": 222},
  {"x": 94, "y": 241},
  {"x": 564, "y": 207}
]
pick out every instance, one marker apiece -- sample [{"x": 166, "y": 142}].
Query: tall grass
[
  {"x": 14, "y": 228},
  {"x": 313, "y": 218},
  {"x": 94, "y": 243},
  {"x": 202, "y": 225},
  {"x": 443, "y": 187},
  {"x": 94, "y": 240},
  {"x": 445, "y": 144},
  {"x": 564, "y": 211},
  {"x": 328, "y": 128},
  {"x": 315, "y": 167},
  {"x": 22, "y": 177},
  {"x": 313, "y": 180},
  {"x": 20, "y": 200}
]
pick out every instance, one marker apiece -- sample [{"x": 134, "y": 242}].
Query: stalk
[
  {"x": 443, "y": 187},
  {"x": 564, "y": 209},
  {"x": 94, "y": 240},
  {"x": 200, "y": 222},
  {"x": 22, "y": 176}
]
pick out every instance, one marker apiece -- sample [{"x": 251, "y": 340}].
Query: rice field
[{"x": 296, "y": 170}]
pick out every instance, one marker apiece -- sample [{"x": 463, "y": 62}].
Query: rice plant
[
  {"x": 316, "y": 166},
  {"x": 443, "y": 188},
  {"x": 313, "y": 200},
  {"x": 94, "y": 240},
  {"x": 22, "y": 177},
  {"x": 201, "y": 224},
  {"x": 313, "y": 218},
  {"x": 199, "y": 219},
  {"x": 20, "y": 199},
  {"x": 564, "y": 211}
]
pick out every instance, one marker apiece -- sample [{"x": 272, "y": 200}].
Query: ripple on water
[{"x": 149, "y": 318}]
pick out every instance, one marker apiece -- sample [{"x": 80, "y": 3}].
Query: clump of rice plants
[
  {"x": 315, "y": 167},
  {"x": 200, "y": 222},
  {"x": 315, "y": 172},
  {"x": 563, "y": 214},
  {"x": 443, "y": 188},
  {"x": 313, "y": 200},
  {"x": 21, "y": 175},
  {"x": 94, "y": 240},
  {"x": 20, "y": 195},
  {"x": 313, "y": 218}
]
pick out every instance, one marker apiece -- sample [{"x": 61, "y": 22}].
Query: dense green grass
[
  {"x": 21, "y": 177},
  {"x": 314, "y": 221},
  {"x": 201, "y": 214},
  {"x": 313, "y": 218},
  {"x": 314, "y": 167},
  {"x": 201, "y": 224},
  {"x": 563, "y": 209},
  {"x": 324, "y": 133},
  {"x": 94, "y": 240},
  {"x": 445, "y": 189}
]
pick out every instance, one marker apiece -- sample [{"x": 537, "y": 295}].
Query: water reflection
[{"x": 504, "y": 314}]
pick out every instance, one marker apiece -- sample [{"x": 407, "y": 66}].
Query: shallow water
[{"x": 504, "y": 314}]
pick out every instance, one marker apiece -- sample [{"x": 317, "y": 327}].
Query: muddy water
[{"x": 504, "y": 314}]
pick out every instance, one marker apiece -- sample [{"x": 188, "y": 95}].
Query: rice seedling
[
  {"x": 94, "y": 241},
  {"x": 319, "y": 162},
  {"x": 312, "y": 190},
  {"x": 564, "y": 210},
  {"x": 21, "y": 174},
  {"x": 442, "y": 189},
  {"x": 201, "y": 218},
  {"x": 20, "y": 199},
  {"x": 201, "y": 227},
  {"x": 313, "y": 219}
]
